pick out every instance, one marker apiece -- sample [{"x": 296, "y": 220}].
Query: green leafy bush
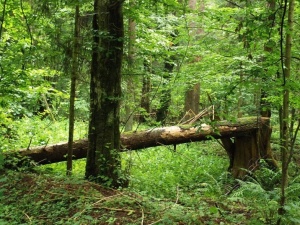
[{"x": 161, "y": 171}]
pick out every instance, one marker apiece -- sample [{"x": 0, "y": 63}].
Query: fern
[
  {"x": 293, "y": 190},
  {"x": 258, "y": 198},
  {"x": 292, "y": 215},
  {"x": 267, "y": 178}
]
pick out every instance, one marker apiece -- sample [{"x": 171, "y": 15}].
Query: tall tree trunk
[
  {"x": 285, "y": 106},
  {"x": 192, "y": 94},
  {"x": 145, "y": 99},
  {"x": 72, "y": 91},
  {"x": 240, "y": 97},
  {"x": 128, "y": 105},
  {"x": 165, "y": 97},
  {"x": 192, "y": 99},
  {"x": 265, "y": 108},
  {"x": 130, "y": 85},
  {"x": 103, "y": 160}
]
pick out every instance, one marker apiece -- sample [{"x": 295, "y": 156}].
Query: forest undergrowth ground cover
[{"x": 188, "y": 186}]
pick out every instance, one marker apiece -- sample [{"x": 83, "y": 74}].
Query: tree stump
[{"x": 245, "y": 152}]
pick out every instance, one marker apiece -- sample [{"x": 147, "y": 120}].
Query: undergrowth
[
  {"x": 30, "y": 132},
  {"x": 186, "y": 185}
]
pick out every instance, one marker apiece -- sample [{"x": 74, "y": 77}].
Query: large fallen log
[{"x": 245, "y": 128}]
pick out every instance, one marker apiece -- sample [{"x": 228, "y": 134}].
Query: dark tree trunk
[
  {"x": 3, "y": 16},
  {"x": 245, "y": 151},
  {"x": 165, "y": 97},
  {"x": 72, "y": 91},
  {"x": 103, "y": 161},
  {"x": 145, "y": 99}
]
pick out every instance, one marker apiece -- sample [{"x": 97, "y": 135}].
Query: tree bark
[
  {"x": 265, "y": 105},
  {"x": 145, "y": 99},
  {"x": 103, "y": 160},
  {"x": 251, "y": 142},
  {"x": 192, "y": 99},
  {"x": 74, "y": 76},
  {"x": 192, "y": 94},
  {"x": 130, "y": 83},
  {"x": 286, "y": 107}
]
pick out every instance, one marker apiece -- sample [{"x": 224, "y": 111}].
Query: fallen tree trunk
[{"x": 240, "y": 130}]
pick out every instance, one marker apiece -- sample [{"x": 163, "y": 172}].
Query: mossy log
[{"x": 246, "y": 141}]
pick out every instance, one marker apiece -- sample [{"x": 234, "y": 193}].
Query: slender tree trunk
[
  {"x": 130, "y": 85},
  {"x": 128, "y": 107},
  {"x": 103, "y": 160},
  {"x": 3, "y": 17},
  {"x": 145, "y": 99},
  {"x": 72, "y": 92},
  {"x": 285, "y": 107},
  {"x": 240, "y": 94}
]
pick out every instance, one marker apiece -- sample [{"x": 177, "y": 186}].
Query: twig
[
  {"x": 106, "y": 198},
  {"x": 47, "y": 143},
  {"x": 28, "y": 217},
  {"x": 114, "y": 209},
  {"x": 216, "y": 204},
  {"x": 54, "y": 193},
  {"x": 29, "y": 143},
  {"x": 157, "y": 221},
  {"x": 101, "y": 200},
  {"x": 142, "y": 210},
  {"x": 293, "y": 143},
  {"x": 143, "y": 216},
  {"x": 204, "y": 112},
  {"x": 177, "y": 195}
]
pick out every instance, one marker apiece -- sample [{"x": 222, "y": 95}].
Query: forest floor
[
  {"x": 34, "y": 198},
  {"x": 188, "y": 186}
]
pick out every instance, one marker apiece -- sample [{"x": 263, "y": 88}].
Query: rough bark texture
[
  {"x": 246, "y": 151},
  {"x": 103, "y": 161},
  {"x": 251, "y": 142}
]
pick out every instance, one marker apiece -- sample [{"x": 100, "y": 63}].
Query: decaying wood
[
  {"x": 248, "y": 150},
  {"x": 251, "y": 142},
  {"x": 183, "y": 134}
]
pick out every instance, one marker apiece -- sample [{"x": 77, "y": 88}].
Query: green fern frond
[{"x": 293, "y": 191}]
